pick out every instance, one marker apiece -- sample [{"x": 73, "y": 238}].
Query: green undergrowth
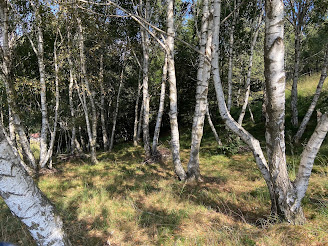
[{"x": 125, "y": 201}]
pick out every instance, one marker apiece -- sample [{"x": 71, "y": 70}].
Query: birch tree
[
  {"x": 203, "y": 75},
  {"x": 231, "y": 42},
  {"x": 297, "y": 15},
  {"x": 26, "y": 201},
  {"x": 160, "y": 109},
  {"x": 286, "y": 196},
  {"x": 315, "y": 99},
  {"x": 15, "y": 119},
  {"x": 257, "y": 25},
  {"x": 175, "y": 142},
  {"x": 102, "y": 103},
  {"x": 116, "y": 109},
  {"x": 39, "y": 51},
  {"x": 145, "y": 67},
  {"x": 92, "y": 131}
]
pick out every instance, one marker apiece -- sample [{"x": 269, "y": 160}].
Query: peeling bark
[
  {"x": 203, "y": 75},
  {"x": 27, "y": 202}
]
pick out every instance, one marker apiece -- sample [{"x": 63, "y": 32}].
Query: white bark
[
  {"x": 140, "y": 123},
  {"x": 116, "y": 110},
  {"x": 257, "y": 26},
  {"x": 72, "y": 79},
  {"x": 203, "y": 75},
  {"x": 225, "y": 115},
  {"x": 315, "y": 99},
  {"x": 216, "y": 135},
  {"x": 39, "y": 51},
  {"x": 53, "y": 133},
  {"x": 145, "y": 68},
  {"x": 26, "y": 201},
  {"x": 10, "y": 90},
  {"x": 230, "y": 66},
  {"x": 102, "y": 103},
  {"x": 307, "y": 159},
  {"x": 136, "y": 111},
  {"x": 175, "y": 142},
  {"x": 160, "y": 109},
  {"x": 93, "y": 131},
  {"x": 284, "y": 193}
]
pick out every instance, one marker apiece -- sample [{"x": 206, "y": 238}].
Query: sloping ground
[
  {"x": 127, "y": 202},
  {"x": 124, "y": 201}
]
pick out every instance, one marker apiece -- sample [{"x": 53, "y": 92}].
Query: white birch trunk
[
  {"x": 230, "y": 66},
  {"x": 175, "y": 142},
  {"x": 102, "y": 103},
  {"x": 249, "y": 71},
  {"x": 203, "y": 75},
  {"x": 26, "y": 201},
  {"x": 140, "y": 124},
  {"x": 315, "y": 99},
  {"x": 225, "y": 115},
  {"x": 216, "y": 135},
  {"x": 145, "y": 68},
  {"x": 116, "y": 111},
  {"x": 160, "y": 109},
  {"x": 70, "y": 97},
  {"x": 307, "y": 158},
  {"x": 93, "y": 131},
  {"x": 136, "y": 111},
  {"x": 283, "y": 190},
  {"x": 10, "y": 90},
  {"x": 39, "y": 51},
  {"x": 295, "y": 76},
  {"x": 48, "y": 158}
]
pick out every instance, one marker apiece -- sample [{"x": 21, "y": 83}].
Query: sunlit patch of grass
[
  {"x": 125, "y": 201},
  {"x": 35, "y": 148}
]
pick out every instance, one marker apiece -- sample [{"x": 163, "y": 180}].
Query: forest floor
[{"x": 125, "y": 201}]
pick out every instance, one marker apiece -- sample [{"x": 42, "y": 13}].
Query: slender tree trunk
[
  {"x": 136, "y": 111},
  {"x": 225, "y": 115},
  {"x": 53, "y": 133},
  {"x": 231, "y": 41},
  {"x": 102, "y": 103},
  {"x": 145, "y": 67},
  {"x": 216, "y": 135},
  {"x": 315, "y": 99},
  {"x": 307, "y": 159},
  {"x": 175, "y": 142},
  {"x": 72, "y": 78},
  {"x": 203, "y": 75},
  {"x": 12, "y": 132},
  {"x": 140, "y": 123},
  {"x": 10, "y": 90},
  {"x": 284, "y": 194},
  {"x": 257, "y": 26},
  {"x": 93, "y": 131},
  {"x": 27, "y": 202},
  {"x": 39, "y": 51},
  {"x": 295, "y": 76},
  {"x": 116, "y": 110},
  {"x": 160, "y": 109}
]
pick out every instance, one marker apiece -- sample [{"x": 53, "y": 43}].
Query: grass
[{"x": 124, "y": 201}]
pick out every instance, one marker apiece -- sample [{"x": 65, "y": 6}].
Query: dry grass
[{"x": 125, "y": 201}]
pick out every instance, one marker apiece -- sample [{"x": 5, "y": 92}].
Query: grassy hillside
[{"x": 125, "y": 201}]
